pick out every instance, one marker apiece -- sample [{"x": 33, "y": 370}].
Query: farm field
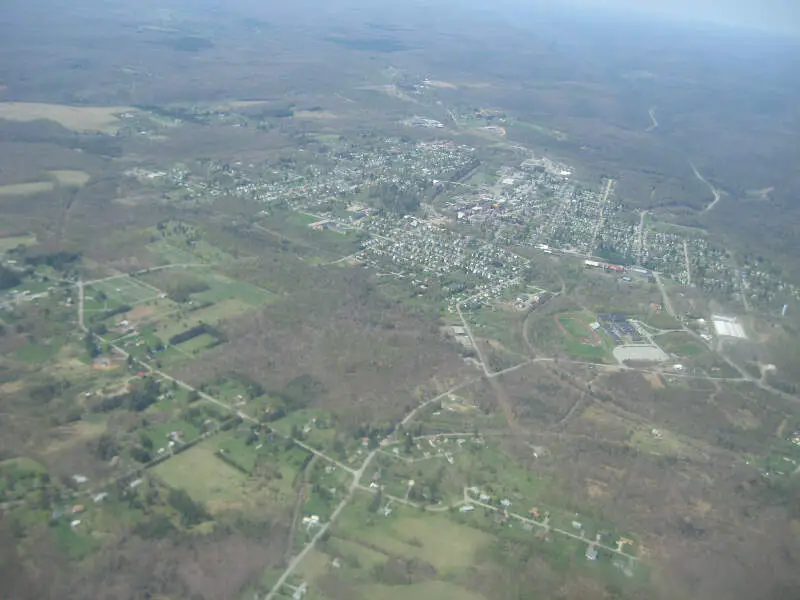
[
  {"x": 70, "y": 178},
  {"x": 26, "y": 189},
  {"x": 10, "y": 242},
  {"x": 101, "y": 119}
]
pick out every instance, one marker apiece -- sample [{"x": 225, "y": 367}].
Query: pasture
[
  {"x": 429, "y": 590},
  {"x": 433, "y": 538},
  {"x": 123, "y": 290},
  {"x": 12, "y": 241},
  {"x": 70, "y": 178},
  {"x": 204, "y": 477},
  {"x": 26, "y": 189},
  {"x": 102, "y": 119}
]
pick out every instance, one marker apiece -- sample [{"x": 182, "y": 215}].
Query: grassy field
[
  {"x": 576, "y": 326},
  {"x": 77, "y": 118},
  {"x": 125, "y": 290},
  {"x": 502, "y": 327},
  {"x": 223, "y": 288},
  {"x": 204, "y": 476},
  {"x": 10, "y": 242},
  {"x": 70, "y": 178},
  {"x": 198, "y": 343},
  {"x": 682, "y": 344},
  {"x": 210, "y": 315},
  {"x": 38, "y": 353},
  {"x": 26, "y": 189},
  {"x": 429, "y": 590},
  {"x": 432, "y": 538},
  {"x": 174, "y": 255}
]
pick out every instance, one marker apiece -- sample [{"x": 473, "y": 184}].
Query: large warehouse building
[{"x": 728, "y": 327}]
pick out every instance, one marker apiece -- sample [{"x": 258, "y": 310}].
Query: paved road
[
  {"x": 295, "y": 562},
  {"x": 548, "y": 528},
  {"x": 602, "y": 218}
]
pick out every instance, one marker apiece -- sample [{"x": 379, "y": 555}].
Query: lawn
[
  {"x": 125, "y": 290},
  {"x": 432, "y": 538},
  {"x": 158, "y": 433},
  {"x": 11, "y": 242},
  {"x": 354, "y": 553},
  {"x": 204, "y": 476},
  {"x": 222, "y": 288},
  {"x": 234, "y": 443},
  {"x": 75, "y": 542}
]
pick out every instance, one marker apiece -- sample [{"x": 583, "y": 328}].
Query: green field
[
  {"x": 223, "y": 288},
  {"x": 428, "y": 590},
  {"x": 682, "y": 344},
  {"x": 433, "y": 538},
  {"x": 211, "y": 315},
  {"x": 38, "y": 353},
  {"x": 204, "y": 476},
  {"x": 11, "y": 242},
  {"x": 125, "y": 290},
  {"x": 197, "y": 343}
]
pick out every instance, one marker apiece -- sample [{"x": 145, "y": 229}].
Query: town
[{"x": 422, "y": 218}]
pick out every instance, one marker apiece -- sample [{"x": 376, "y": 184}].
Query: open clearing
[
  {"x": 125, "y": 290},
  {"x": 102, "y": 119},
  {"x": 204, "y": 477},
  {"x": 429, "y": 590},
  {"x": 211, "y": 315},
  {"x": 26, "y": 189},
  {"x": 8, "y": 243},
  {"x": 434, "y": 539},
  {"x": 71, "y": 178},
  {"x": 576, "y": 328}
]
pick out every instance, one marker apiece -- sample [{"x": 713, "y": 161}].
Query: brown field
[{"x": 77, "y": 118}]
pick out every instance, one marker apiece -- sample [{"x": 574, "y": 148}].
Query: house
[
  {"x": 75, "y": 523},
  {"x": 534, "y": 513},
  {"x": 505, "y": 503},
  {"x": 466, "y": 508},
  {"x": 78, "y": 508},
  {"x": 591, "y": 553},
  {"x": 100, "y": 497},
  {"x": 79, "y": 479}
]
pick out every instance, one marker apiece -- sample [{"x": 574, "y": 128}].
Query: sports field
[{"x": 576, "y": 328}]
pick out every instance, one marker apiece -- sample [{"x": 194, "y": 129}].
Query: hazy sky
[{"x": 775, "y": 15}]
